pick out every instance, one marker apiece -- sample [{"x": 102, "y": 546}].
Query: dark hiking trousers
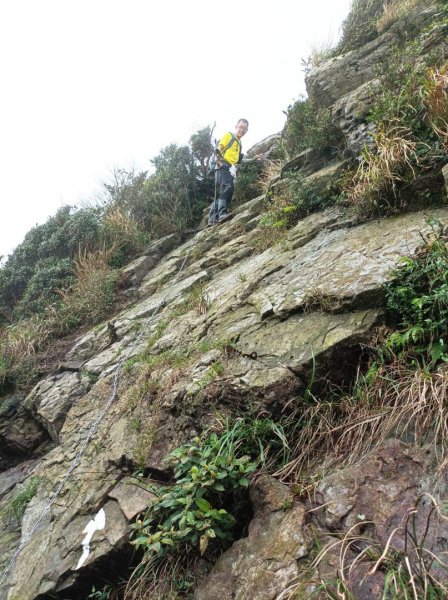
[{"x": 224, "y": 184}]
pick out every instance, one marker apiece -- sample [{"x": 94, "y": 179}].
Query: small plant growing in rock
[
  {"x": 215, "y": 370},
  {"x": 191, "y": 511},
  {"x": 418, "y": 300},
  {"x": 17, "y": 506}
]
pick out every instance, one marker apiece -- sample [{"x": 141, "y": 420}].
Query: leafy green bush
[
  {"x": 190, "y": 512},
  {"x": 43, "y": 262},
  {"x": 308, "y": 126},
  {"x": 409, "y": 129},
  {"x": 247, "y": 183},
  {"x": 417, "y": 299},
  {"x": 208, "y": 474},
  {"x": 298, "y": 199},
  {"x": 42, "y": 286}
]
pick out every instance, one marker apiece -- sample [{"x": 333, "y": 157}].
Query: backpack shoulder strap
[{"x": 232, "y": 139}]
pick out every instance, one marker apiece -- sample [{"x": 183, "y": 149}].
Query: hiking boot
[
  {"x": 211, "y": 223},
  {"x": 225, "y": 218}
]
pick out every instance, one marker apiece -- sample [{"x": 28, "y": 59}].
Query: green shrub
[
  {"x": 191, "y": 511},
  {"x": 298, "y": 199},
  {"x": 43, "y": 262},
  {"x": 247, "y": 183},
  {"x": 309, "y": 126},
  {"x": 359, "y": 27},
  {"x": 42, "y": 286},
  {"x": 208, "y": 476},
  {"x": 409, "y": 129},
  {"x": 417, "y": 299},
  {"x": 17, "y": 506}
]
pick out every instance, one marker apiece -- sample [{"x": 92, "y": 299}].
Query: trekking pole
[{"x": 215, "y": 203}]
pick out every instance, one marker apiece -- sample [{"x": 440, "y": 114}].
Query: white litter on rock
[{"x": 98, "y": 522}]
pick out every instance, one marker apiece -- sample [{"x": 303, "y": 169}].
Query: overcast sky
[{"x": 93, "y": 85}]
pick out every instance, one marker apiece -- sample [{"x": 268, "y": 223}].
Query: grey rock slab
[
  {"x": 10, "y": 478},
  {"x": 338, "y": 76},
  {"x": 349, "y": 114},
  {"x": 131, "y": 497},
  {"x": 20, "y": 434},
  {"x": 346, "y": 265},
  {"x": 51, "y": 399},
  {"x": 301, "y": 338},
  {"x": 162, "y": 246},
  {"x": 135, "y": 271},
  {"x": 50, "y": 557},
  {"x": 265, "y": 146},
  {"x": 263, "y": 564},
  {"x": 383, "y": 490},
  {"x": 169, "y": 295}
]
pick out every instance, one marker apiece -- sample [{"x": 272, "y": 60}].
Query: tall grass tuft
[
  {"x": 398, "y": 400},
  {"x": 391, "y": 159},
  {"x": 91, "y": 297},
  {"x": 435, "y": 92},
  {"x": 395, "y": 10}
]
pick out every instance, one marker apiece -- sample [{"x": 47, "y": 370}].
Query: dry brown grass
[
  {"x": 436, "y": 101},
  {"x": 392, "y": 155},
  {"x": 19, "y": 343},
  {"x": 89, "y": 300},
  {"x": 405, "y": 558},
  {"x": 91, "y": 297},
  {"x": 271, "y": 172},
  {"x": 402, "y": 402},
  {"x": 120, "y": 230},
  {"x": 161, "y": 579},
  {"x": 394, "y": 10}
]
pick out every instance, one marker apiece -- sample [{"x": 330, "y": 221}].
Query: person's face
[{"x": 241, "y": 129}]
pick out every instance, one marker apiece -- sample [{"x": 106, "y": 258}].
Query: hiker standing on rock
[{"x": 228, "y": 155}]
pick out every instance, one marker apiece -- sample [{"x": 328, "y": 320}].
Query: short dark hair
[{"x": 243, "y": 121}]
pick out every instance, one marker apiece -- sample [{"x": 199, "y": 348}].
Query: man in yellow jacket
[{"x": 228, "y": 155}]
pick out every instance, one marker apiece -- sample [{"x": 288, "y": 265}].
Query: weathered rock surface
[
  {"x": 347, "y": 84},
  {"x": 52, "y": 398},
  {"x": 388, "y": 498},
  {"x": 317, "y": 295},
  {"x": 264, "y": 563},
  {"x": 265, "y": 317}
]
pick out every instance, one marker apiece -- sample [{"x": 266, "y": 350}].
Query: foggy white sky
[{"x": 91, "y": 85}]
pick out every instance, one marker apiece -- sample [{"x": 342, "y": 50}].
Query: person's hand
[{"x": 232, "y": 171}]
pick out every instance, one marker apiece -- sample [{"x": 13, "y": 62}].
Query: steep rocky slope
[{"x": 272, "y": 320}]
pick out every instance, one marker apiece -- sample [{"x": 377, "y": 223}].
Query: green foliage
[
  {"x": 301, "y": 198},
  {"x": 407, "y": 138},
  {"x": 403, "y": 71},
  {"x": 209, "y": 474},
  {"x": 103, "y": 594},
  {"x": 200, "y": 144},
  {"x": 17, "y": 506},
  {"x": 417, "y": 298},
  {"x": 191, "y": 511},
  {"x": 125, "y": 192},
  {"x": 308, "y": 197},
  {"x": 136, "y": 206},
  {"x": 308, "y": 126},
  {"x": 247, "y": 183},
  {"x": 360, "y": 25},
  {"x": 41, "y": 290},
  {"x": 43, "y": 261}
]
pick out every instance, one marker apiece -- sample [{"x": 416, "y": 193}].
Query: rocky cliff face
[{"x": 312, "y": 300}]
